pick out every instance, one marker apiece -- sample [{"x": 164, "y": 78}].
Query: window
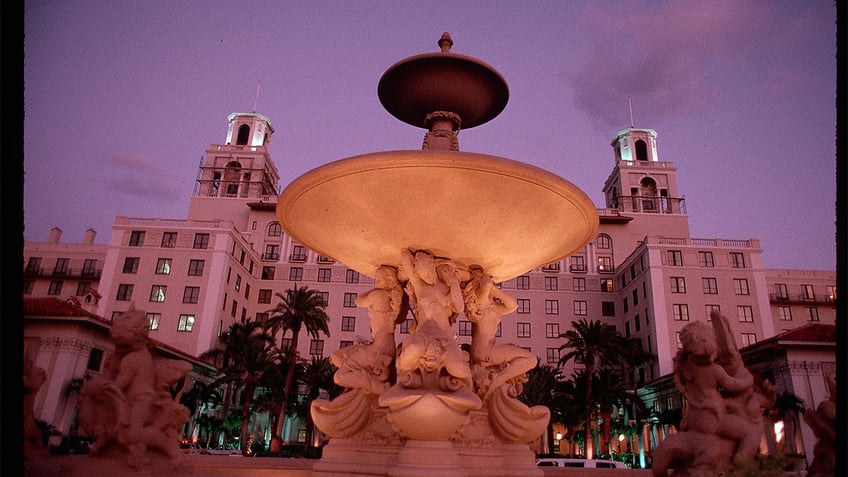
[
  {"x": 89, "y": 267},
  {"x": 807, "y": 292},
  {"x": 124, "y": 292},
  {"x": 551, "y": 330},
  {"x": 740, "y": 286},
  {"x": 233, "y": 308},
  {"x": 298, "y": 254},
  {"x": 345, "y": 343},
  {"x": 351, "y": 276},
  {"x": 552, "y": 307},
  {"x": 272, "y": 252},
  {"x": 522, "y": 282},
  {"x": 680, "y": 312},
  {"x": 709, "y": 286},
  {"x": 831, "y": 292},
  {"x": 404, "y": 326},
  {"x": 28, "y": 286},
  {"x": 637, "y": 322},
  {"x": 523, "y": 306},
  {"x": 580, "y": 307},
  {"x": 247, "y": 290},
  {"x": 749, "y": 338},
  {"x": 131, "y": 264},
  {"x": 61, "y": 267},
  {"x": 737, "y": 260},
  {"x": 745, "y": 313},
  {"x": 157, "y": 293},
  {"x": 55, "y": 287},
  {"x": 623, "y": 281},
  {"x": 578, "y": 263},
  {"x": 784, "y": 313},
  {"x": 781, "y": 290},
  {"x": 186, "y": 323},
  {"x": 274, "y": 229},
  {"x": 191, "y": 294},
  {"x": 201, "y": 241},
  {"x": 605, "y": 264},
  {"x": 154, "y": 320},
  {"x": 675, "y": 258},
  {"x": 709, "y": 309},
  {"x": 578, "y": 284},
  {"x": 625, "y": 306},
  {"x": 813, "y": 313},
  {"x": 551, "y": 284},
  {"x": 678, "y": 285},
  {"x": 705, "y": 259},
  {"x": 348, "y": 323},
  {"x": 324, "y": 274},
  {"x": 316, "y": 348},
  {"x": 636, "y": 295},
  {"x": 286, "y": 344},
  {"x": 265, "y": 295},
  {"x": 195, "y": 268},
  {"x": 608, "y": 308},
  {"x": 116, "y": 314},
  {"x": 523, "y": 330},
  {"x": 83, "y": 287},
  {"x": 238, "y": 281},
  {"x": 606, "y": 285},
  {"x": 325, "y": 296},
  {"x": 627, "y": 329},
  {"x": 169, "y": 240},
  {"x": 136, "y": 238},
  {"x": 604, "y": 242},
  {"x": 350, "y": 300},
  {"x": 95, "y": 359},
  {"x": 464, "y": 328},
  {"x": 163, "y": 266},
  {"x": 268, "y": 273},
  {"x": 552, "y": 355},
  {"x": 33, "y": 265}
]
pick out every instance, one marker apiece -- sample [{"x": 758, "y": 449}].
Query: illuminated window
[
  {"x": 185, "y": 323},
  {"x": 157, "y": 293},
  {"x": 605, "y": 264},
  {"x": 163, "y": 266},
  {"x": 154, "y": 320},
  {"x": 606, "y": 285}
]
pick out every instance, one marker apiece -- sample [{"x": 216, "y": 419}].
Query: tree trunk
[
  {"x": 589, "y": 447},
  {"x": 247, "y": 398},
  {"x": 277, "y": 436},
  {"x": 605, "y": 433}
]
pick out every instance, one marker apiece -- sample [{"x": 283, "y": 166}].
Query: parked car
[{"x": 587, "y": 463}]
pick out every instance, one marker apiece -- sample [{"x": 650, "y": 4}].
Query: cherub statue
[
  {"x": 433, "y": 287},
  {"x": 34, "y": 378},
  {"x": 130, "y": 403},
  {"x": 822, "y": 420}
]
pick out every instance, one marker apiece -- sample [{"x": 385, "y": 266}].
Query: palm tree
[
  {"x": 249, "y": 353},
  {"x": 540, "y": 390},
  {"x": 299, "y": 308},
  {"x": 594, "y": 344},
  {"x": 317, "y": 375},
  {"x": 788, "y": 407},
  {"x": 612, "y": 391}
]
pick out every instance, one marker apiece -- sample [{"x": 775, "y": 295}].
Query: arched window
[
  {"x": 232, "y": 174},
  {"x": 243, "y": 135},
  {"x": 604, "y": 242},
  {"x": 274, "y": 229},
  {"x": 648, "y": 191},
  {"x": 641, "y": 150}
]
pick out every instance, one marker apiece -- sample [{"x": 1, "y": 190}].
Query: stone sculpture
[
  {"x": 822, "y": 420},
  {"x": 34, "y": 378},
  {"x": 722, "y": 420},
  {"x": 129, "y": 408}
]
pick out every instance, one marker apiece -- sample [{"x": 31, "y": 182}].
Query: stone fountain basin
[{"x": 476, "y": 209}]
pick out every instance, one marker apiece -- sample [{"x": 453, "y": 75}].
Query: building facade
[{"x": 226, "y": 261}]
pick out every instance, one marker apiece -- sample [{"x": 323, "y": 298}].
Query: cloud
[
  {"x": 141, "y": 177},
  {"x": 664, "y": 55}
]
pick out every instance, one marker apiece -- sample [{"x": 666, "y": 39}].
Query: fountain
[{"x": 437, "y": 229}]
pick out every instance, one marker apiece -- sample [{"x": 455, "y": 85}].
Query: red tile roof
[
  {"x": 811, "y": 332},
  {"x": 52, "y": 306}
]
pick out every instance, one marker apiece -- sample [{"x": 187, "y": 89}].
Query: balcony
[
  {"x": 801, "y": 299},
  {"x": 645, "y": 204},
  {"x": 297, "y": 257},
  {"x": 577, "y": 268},
  {"x": 72, "y": 273},
  {"x": 552, "y": 268}
]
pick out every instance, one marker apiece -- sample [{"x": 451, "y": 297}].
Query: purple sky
[{"x": 122, "y": 99}]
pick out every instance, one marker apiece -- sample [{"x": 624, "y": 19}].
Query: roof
[
  {"x": 811, "y": 332},
  {"x": 52, "y": 306}
]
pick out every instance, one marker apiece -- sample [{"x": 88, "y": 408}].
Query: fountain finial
[{"x": 445, "y": 42}]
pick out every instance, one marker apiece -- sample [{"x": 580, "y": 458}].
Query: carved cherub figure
[{"x": 433, "y": 287}]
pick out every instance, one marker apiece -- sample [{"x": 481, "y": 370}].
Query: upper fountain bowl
[{"x": 443, "y": 81}]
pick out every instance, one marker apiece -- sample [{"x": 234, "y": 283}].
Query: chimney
[
  {"x": 89, "y": 236},
  {"x": 55, "y": 235}
]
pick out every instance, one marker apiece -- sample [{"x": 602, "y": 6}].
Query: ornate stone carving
[
  {"x": 822, "y": 420},
  {"x": 34, "y": 377}
]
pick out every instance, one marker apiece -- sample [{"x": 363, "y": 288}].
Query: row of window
[
  {"x": 709, "y": 285},
  {"x": 158, "y": 293},
  {"x": 164, "y": 266},
  {"x": 705, "y": 259},
  {"x": 169, "y": 239},
  {"x": 62, "y": 266}
]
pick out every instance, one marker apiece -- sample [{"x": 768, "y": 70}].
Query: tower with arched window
[{"x": 237, "y": 172}]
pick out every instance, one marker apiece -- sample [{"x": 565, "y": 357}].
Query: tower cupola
[{"x": 634, "y": 144}]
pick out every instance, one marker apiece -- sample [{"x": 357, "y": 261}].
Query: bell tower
[
  {"x": 236, "y": 172},
  {"x": 640, "y": 182}
]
